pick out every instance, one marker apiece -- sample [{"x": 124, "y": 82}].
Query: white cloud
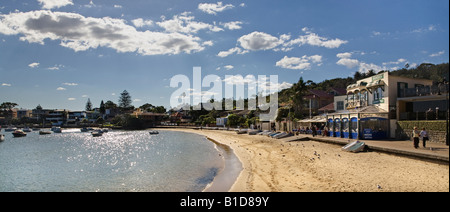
[
  {"x": 141, "y": 22},
  {"x": 234, "y": 25},
  {"x": 50, "y": 4},
  {"x": 296, "y": 63},
  {"x": 137, "y": 100},
  {"x": 365, "y": 67},
  {"x": 259, "y": 41},
  {"x": 228, "y": 67},
  {"x": 83, "y": 33},
  {"x": 56, "y": 67},
  {"x": 70, "y": 84},
  {"x": 33, "y": 65},
  {"x": 347, "y": 61},
  {"x": 184, "y": 23},
  {"x": 6, "y": 85},
  {"x": 61, "y": 89},
  {"x": 213, "y": 9},
  {"x": 71, "y": 99},
  {"x": 231, "y": 51},
  {"x": 400, "y": 61},
  {"x": 315, "y": 40},
  {"x": 437, "y": 54},
  {"x": 117, "y": 6}
]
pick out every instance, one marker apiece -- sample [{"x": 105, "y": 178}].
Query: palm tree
[{"x": 297, "y": 93}]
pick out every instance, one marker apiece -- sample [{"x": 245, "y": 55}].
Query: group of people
[{"x": 417, "y": 135}]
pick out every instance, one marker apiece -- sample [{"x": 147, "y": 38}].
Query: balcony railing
[{"x": 424, "y": 91}]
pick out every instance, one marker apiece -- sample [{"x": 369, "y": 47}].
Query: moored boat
[
  {"x": 10, "y": 129},
  {"x": 154, "y": 132},
  {"x": 97, "y": 133},
  {"x": 19, "y": 133},
  {"x": 57, "y": 130},
  {"x": 45, "y": 132},
  {"x": 27, "y": 129}
]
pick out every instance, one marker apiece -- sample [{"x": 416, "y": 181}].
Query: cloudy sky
[{"x": 59, "y": 53}]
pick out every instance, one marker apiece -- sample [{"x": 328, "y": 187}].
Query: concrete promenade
[{"x": 437, "y": 152}]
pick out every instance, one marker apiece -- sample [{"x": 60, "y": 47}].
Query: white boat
[
  {"x": 254, "y": 132},
  {"x": 354, "y": 147},
  {"x": 244, "y": 131},
  {"x": 2, "y": 137},
  {"x": 154, "y": 132},
  {"x": 56, "y": 129},
  {"x": 45, "y": 132},
  {"x": 19, "y": 133},
  {"x": 97, "y": 133},
  {"x": 10, "y": 129},
  {"x": 27, "y": 129}
]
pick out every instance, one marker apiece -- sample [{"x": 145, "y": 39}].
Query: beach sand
[{"x": 271, "y": 165}]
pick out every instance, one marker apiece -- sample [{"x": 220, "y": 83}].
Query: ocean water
[{"x": 119, "y": 161}]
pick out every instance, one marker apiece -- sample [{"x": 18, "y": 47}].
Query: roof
[
  {"x": 368, "y": 109},
  {"x": 329, "y": 107}
]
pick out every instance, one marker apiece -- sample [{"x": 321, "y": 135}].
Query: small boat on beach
[
  {"x": 154, "y": 132},
  {"x": 354, "y": 147},
  {"x": 240, "y": 132},
  {"x": 45, "y": 132},
  {"x": 57, "y": 130},
  {"x": 19, "y": 133},
  {"x": 2, "y": 137},
  {"x": 97, "y": 133}
]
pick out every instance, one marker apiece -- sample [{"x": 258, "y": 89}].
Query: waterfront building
[{"x": 375, "y": 104}]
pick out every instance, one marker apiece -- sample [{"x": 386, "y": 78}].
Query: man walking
[{"x": 416, "y": 137}]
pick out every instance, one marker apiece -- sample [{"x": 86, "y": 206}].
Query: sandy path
[{"x": 272, "y": 165}]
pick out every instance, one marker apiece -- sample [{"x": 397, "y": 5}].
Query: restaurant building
[{"x": 374, "y": 105}]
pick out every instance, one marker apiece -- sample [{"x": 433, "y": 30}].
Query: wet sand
[{"x": 271, "y": 165}]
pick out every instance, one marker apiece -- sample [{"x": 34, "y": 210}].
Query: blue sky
[{"x": 59, "y": 53}]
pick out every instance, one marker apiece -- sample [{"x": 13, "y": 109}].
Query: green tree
[
  {"x": 88, "y": 105},
  {"x": 102, "y": 108},
  {"x": 110, "y": 105},
  {"x": 6, "y": 109},
  {"x": 125, "y": 100}
]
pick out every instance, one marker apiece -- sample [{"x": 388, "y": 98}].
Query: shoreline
[{"x": 271, "y": 165}]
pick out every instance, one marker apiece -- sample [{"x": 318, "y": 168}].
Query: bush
[{"x": 407, "y": 126}]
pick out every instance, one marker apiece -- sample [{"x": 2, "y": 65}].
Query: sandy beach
[{"x": 270, "y": 165}]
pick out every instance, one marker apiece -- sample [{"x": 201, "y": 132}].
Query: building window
[
  {"x": 378, "y": 94},
  {"x": 340, "y": 105}
]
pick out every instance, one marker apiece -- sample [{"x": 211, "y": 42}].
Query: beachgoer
[
  {"x": 416, "y": 137},
  {"x": 314, "y": 131},
  {"x": 424, "y": 136}
]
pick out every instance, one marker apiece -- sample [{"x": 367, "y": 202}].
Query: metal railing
[{"x": 424, "y": 91}]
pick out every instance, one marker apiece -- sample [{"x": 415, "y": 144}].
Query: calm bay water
[{"x": 118, "y": 161}]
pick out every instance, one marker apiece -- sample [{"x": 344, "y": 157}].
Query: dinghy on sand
[{"x": 354, "y": 147}]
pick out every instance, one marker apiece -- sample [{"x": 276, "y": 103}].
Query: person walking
[
  {"x": 416, "y": 137},
  {"x": 424, "y": 136}
]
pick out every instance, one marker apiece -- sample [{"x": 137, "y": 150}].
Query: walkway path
[{"x": 435, "y": 151}]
